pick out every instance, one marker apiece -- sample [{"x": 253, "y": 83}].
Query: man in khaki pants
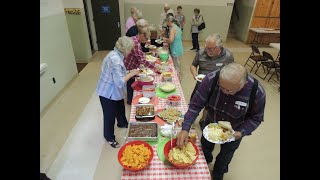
[{"x": 211, "y": 58}]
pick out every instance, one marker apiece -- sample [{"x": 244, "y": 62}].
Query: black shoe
[
  {"x": 114, "y": 144},
  {"x": 125, "y": 126},
  {"x": 192, "y": 48}
]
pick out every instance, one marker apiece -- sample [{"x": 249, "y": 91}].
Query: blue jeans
[
  {"x": 111, "y": 110},
  {"x": 195, "y": 41},
  {"x": 223, "y": 158}
]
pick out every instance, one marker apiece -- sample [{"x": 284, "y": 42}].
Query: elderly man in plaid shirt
[
  {"x": 227, "y": 100},
  {"x": 136, "y": 58}
]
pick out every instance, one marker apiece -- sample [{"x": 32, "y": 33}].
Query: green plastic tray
[{"x": 162, "y": 94}]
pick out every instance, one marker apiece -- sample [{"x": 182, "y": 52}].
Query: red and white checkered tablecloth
[{"x": 157, "y": 169}]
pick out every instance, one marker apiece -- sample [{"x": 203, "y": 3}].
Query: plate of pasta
[{"x": 218, "y": 134}]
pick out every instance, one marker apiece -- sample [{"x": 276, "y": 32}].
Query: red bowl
[
  {"x": 166, "y": 150},
  {"x": 135, "y": 143}
]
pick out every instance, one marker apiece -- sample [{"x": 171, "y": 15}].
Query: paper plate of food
[
  {"x": 145, "y": 72},
  {"x": 200, "y": 77},
  {"x": 144, "y": 100},
  {"x": 219, "y": 133}
]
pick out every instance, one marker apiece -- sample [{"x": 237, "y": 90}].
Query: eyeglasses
[
  {"x": 226, "y": 90},
  {"x": 211, "y": 49}
]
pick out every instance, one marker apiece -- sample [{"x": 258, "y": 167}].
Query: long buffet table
[{"x": 157, "y": 169}]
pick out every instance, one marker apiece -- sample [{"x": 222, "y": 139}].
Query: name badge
[
  {"x": 240, "y": 103},
  {"x": 219, "y": 64}
]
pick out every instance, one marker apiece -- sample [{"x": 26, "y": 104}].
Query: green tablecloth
[{"x": 162, "y": 141}]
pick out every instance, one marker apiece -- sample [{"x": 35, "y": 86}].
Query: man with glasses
[
  {"x": 230, "y": 95},
  {"x": 137, "y": 58},
  {"x": 211, "y": 58}
]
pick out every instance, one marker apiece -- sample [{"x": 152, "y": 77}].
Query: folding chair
[
  {"x": 269, "y": 63},
  {"x": 254, "y": 58}
]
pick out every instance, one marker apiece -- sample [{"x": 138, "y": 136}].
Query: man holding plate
[
  {"x": 230, "y": 94},
  {"x": 211, "y": 58}
]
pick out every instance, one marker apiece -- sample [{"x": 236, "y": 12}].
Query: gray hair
[
  {"x": 215, "y": 38},
  {"x": 170, "y": 18},
  {"x": 124, "y": 44},
  {"x": 132, "y": 10},
  {"x": 234, "y": 71},
  {"x": 142, "y": 23},
  {"x": 137, "y": 15}
]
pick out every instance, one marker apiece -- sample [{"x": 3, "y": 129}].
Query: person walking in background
[
  {"x": 197, "y": 19},
  {"x": 179, "y": 16},
  {"x": 111, "y": 88}
]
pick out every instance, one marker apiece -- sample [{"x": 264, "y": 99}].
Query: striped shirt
[
  {"x": 232, "y": 108},
  {"x": 136, "y": 57},
  {"x": 111, "y": 84}
]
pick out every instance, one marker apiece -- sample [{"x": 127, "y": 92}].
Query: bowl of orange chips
[{"x": 135, "y": 155}]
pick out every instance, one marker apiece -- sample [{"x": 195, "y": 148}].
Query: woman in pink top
[{"x": 130, "y": 21}]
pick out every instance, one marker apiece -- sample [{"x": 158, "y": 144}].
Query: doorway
[
  {"x": 88, "y": 25},
  {"x": 106, "y": 18}
]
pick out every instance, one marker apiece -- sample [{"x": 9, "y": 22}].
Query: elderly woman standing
[
  {"x": 197, "y": 19},
  {"x": 133, "y": 30},
  {"x": 130, "y": 21},
  {"x": 175, "y": 42},
  {"x": 111, "y": 88}
]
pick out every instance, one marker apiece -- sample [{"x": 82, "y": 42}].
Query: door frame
[{"x": 91, "y": 25}]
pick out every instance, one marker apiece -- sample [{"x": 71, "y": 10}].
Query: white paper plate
[
  {"x": 144, "y": 100},
  {"x": 146, "y": 72},
  {"x": 206, "y": 136},
  {"x": 200, "y": 76}
]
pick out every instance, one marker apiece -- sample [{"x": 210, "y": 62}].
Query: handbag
[{"x": 202, "y": 25}]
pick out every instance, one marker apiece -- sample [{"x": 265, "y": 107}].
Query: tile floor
[{"x": 72, "y": 146}]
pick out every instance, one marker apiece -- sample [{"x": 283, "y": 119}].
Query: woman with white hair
[
  {"x": 130, "y": 21},
  {"x": 132, "y": 31},
  {"x": 111, "y": 88}
]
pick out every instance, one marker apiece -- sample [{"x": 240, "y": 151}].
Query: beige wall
[
  {"x": 55, "y": 50},
  {"x": 217, "y": 14}
]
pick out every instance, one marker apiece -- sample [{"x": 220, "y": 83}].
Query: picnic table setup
[
  {"x": 157, "y": 110},
  {"x": 157, "y": 113}
]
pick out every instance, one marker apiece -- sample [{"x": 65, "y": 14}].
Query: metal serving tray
[
  {"x": 142, "y": 127},
  {"x": 148, "y": 117}
]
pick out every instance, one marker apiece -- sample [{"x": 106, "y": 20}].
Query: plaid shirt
[
  {"x": 111, "y": 84},
  {"x": 136, "y": 57},
  {"x": 222, "y": 107}
]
